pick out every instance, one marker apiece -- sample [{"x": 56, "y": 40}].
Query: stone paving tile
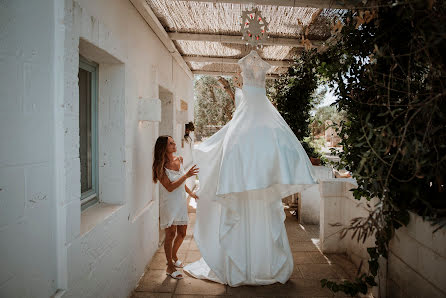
[
  {"x": 342, "y": 273},
  {"x": 304, "y": 246},
  {"x": 318, "y": 258},
  {"x": 310, "y": 265},
  {"x": 192, "y": 256},
  {"x": 199, "y": 296},
  {"x": 302, "y": 257},
  {"x": 193, "y": 286},
  {"x": 244, "y": 291},
  {"x": 292, "y": 228},
  {"x": 159, "y": 260},
  {"x": 341, "y": 261},
  {"x": 190, "y": 230},
  {"x": 185, "y": 246},
  {"x": 193, "y": 246},
  {"x": 317, "y": 271},
  {"x": 296, "y": 273},
  {"x": 292, "y": 288},
  {"x": 336, "y": 258},
  {"x": 156, "y": 281},
  {"x": 295, "y": 230},
  {"x": 298, "y": 237},
  {"x": 313, "y": 230},
  {"x": 150, "y": 295}
]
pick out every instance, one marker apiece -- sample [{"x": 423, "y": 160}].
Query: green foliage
[
  {"x": 389, "y": 76},
  {"x": 323, "y": 114},
  {"x": 394, "y": 97},
  {"x": 293, "y": 96}
]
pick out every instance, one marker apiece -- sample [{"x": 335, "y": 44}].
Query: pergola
[{"x": 204, "y": 36}]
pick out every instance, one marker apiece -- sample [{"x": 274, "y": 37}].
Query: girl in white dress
[{"x": 168, "y": 169}]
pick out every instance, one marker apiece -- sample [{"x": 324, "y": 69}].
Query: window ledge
[{"x": 96, "y": 214}]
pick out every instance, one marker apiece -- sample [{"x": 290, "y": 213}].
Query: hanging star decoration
[{"x": 254, "y": 27}]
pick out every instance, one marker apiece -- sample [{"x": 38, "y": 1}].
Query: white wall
[
  {"x": 46, "y": 242},
  {"x": 417, "y": 261},
  {"x": 338, "y": 208},
  {"x": 416, "y": 265},
  {"x": 108, "y": 259},
  {"x": 27, "y": 168},
  {"x": 310, "y": 198},
  {"x": 341, "y": 207}
]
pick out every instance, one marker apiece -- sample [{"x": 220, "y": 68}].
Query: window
[{"x": 88, "y": 133}]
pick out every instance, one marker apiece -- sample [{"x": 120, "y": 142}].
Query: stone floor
[{"x": 310, "y": 266}]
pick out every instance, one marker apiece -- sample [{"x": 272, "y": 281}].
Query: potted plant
[
  {"x": 315, "y": 161},
  {"x": 313, "y": 154}
]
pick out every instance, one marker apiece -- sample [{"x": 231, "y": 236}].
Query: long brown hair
[{"x": 159, "y": 157}]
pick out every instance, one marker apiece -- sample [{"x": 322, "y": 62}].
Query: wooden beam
[
  {"x": 227, "y": 73},
  {"x": 335, "y": 4},
  {"x": 224, "y": 60},
  {"x": 146, "y": 12},
  {"x": 274, "y": 41}
]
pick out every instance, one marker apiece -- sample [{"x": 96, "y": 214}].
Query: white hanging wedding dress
[{"x": 246, "y": 168}]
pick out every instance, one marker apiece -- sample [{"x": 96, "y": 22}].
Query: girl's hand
[
  {"x": 193, "y": 195},
  {"x": 192, "y": 171}
]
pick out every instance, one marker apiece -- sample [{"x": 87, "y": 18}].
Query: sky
[{"x": 328, "y": 99}]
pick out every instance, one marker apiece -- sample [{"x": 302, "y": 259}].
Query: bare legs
[
  {"x": 171, "y": 250},
  {"x": 181, "y": 234}
]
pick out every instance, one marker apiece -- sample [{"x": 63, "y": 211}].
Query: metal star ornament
[{"x": 254, "y": 27}]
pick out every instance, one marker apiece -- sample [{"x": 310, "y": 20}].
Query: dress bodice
[
  {"x": 174, "y": 175},
  {"x": 254, "y": 69},
  {"x": 237, "y": 96}
]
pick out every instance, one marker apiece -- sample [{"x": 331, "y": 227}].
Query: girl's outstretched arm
[
  {"x": 190, "y": 192},
  {"x": 171, "y": 186}
]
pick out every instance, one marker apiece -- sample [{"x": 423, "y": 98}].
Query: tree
[
  {"x": 323, "y": 114},
  {"x": 388, "y": 70},
  {"x": 213, "y": 106},
  {"x": 294, "y": 95}
]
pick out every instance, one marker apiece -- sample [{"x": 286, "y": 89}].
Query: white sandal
[
  {"x": 175, "y": 274},
  {"x": 178, "y": 264}
]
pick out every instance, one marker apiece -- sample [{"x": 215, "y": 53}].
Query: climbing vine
[
  {"x": 387, "y": 68},
  {"x": 294, "y": 95}
]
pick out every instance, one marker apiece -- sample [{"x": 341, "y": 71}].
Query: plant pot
[{"x": 315, "y": 161}]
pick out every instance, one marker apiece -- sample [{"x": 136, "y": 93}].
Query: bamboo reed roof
[{"x": 185, "y": 20}]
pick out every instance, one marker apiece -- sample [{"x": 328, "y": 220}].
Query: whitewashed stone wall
[
  {"x": 340, "y": 207},
  {"x": 27, "y": 148},
  {"x": 47, "y": 244},
  {"x": 417, "y": 261},
  {"x": 416, "y": 266},
  {"x": 116, "y": 250},
  {"x": 310, "y": 198}
]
